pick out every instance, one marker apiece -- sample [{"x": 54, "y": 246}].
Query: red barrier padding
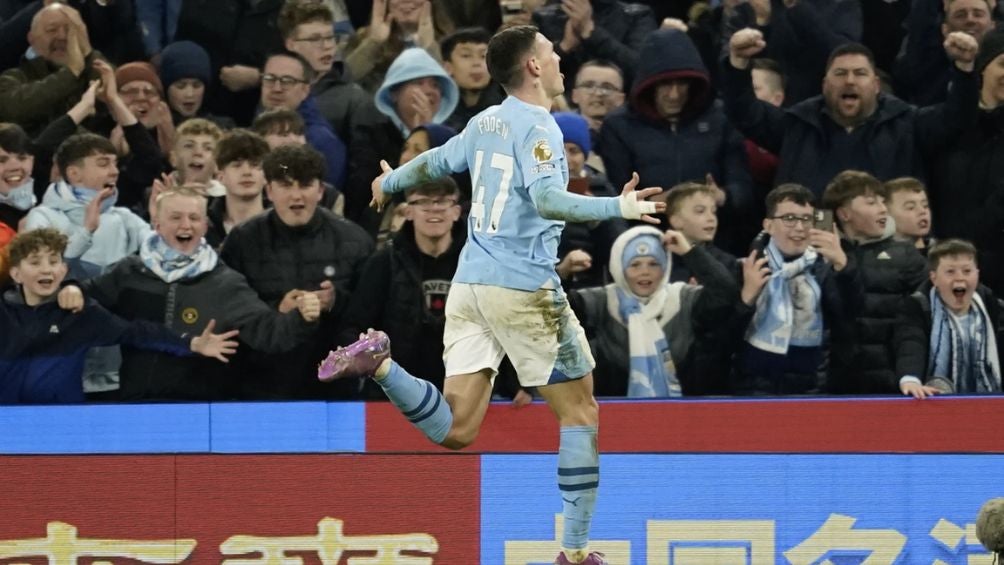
[{"x": 872, "y": 425}]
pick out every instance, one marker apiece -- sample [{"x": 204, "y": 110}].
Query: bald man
[{"x": 55, "y": 73}]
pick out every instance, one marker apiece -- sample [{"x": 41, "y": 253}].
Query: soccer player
[{"x": 506, "y": 297}]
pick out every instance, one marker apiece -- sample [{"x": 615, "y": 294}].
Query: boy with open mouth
[
  {"x": 47, "y": 334},
  {"x": 946, "y": 339}
]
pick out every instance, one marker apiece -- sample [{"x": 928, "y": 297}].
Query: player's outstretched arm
[
  {"x": 433, "y": 164},
  {"x": 555, "y": 203},
  {"x": 635, "y": 204}
]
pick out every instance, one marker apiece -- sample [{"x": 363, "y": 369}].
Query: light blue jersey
[{"x": 516, "y": 156}]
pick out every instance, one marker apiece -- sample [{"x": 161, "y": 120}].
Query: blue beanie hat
[
  {"x": 575, "y": 129},
  {"x": 438, "y": 133},
  {"x": 644, "y": 245},
  {"x": 184, "y": 59}
]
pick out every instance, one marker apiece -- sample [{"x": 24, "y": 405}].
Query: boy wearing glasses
[
  {"x": 285, "y": 85},
  {"x": 890, "y": 270},
  {"x": 403, "y": 287},
  {"x": 797, "y": 287},
  {"x": 307, "y": 29}
]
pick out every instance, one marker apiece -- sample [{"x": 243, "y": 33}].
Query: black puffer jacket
[
  {"x": 133, "y": 292},
  {"x": 277, "y": 258},
  {"x": 863, "y": 362}
]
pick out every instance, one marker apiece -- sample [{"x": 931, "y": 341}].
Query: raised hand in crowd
[
  {"x": 961, "y": 48},
  {"x": 84, "y": 108},
  {"x": 762, "y": 11},
  {"x": 676, "y": 243},
  {"x": 75, "y": 56},
  {"x": 92, "y": 213},
  {"x": 827, "y": 243},
  {"x": 159, "y": 186},
  {"x": 744, "y": 45},
  {"x": 380, "y": 21},
  {"x": 756, "y": 273},
  {"x": 239, "y": 77},
  {"x": 209, "y": 344},
  {"x": 426, "y": 34},
  {"x": 109, "y": 94},
  {"x": 576, "y": 261},
  {"x": 77, "y": 24}
]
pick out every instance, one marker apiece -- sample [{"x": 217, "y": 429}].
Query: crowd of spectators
[{"x": 183, "y": 176}]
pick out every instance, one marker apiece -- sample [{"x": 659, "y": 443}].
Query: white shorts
[{"x": 538, "y": 330}]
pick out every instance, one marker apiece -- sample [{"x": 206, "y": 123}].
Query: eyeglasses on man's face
[
  {"x": 284, "y": 81},
  {"x": 791, "y": 220}
]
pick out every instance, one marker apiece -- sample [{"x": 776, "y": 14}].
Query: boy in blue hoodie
[{"x": 42, "y": 353}]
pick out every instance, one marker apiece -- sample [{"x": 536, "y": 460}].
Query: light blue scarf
[
  {"x": 788, "y": 310},
  {"x": 652, "y": 372},
  {"x": 22, "y": 197},
  {"x": 171, "y": 265},
  {"x": 971, "y": 364}
]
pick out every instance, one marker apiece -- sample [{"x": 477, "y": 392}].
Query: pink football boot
[{"x": 356, "y": 360}]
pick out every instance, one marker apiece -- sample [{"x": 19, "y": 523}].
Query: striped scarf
[{"x": 963, "y": 350}]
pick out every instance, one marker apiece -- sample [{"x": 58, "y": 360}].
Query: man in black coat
[
  {"x": 851, "y": 125},
  {"x": 296, "y": 248}
]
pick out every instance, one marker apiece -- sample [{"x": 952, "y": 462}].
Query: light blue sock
[
  {"x": 420, "y": 402},
  {"x": 578, "y": 478}
]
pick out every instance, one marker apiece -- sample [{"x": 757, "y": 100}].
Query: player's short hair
[
  {"x": 198, "y": 126},
  {"x": 506, "y": 52},
  {"x": 278, "y": 122},
  {"x": 240, "y": 145},
  {"x": 445, "y": 186},
  {"x": 475, "y": 35},
  {"x": 789, "y": 192},
  {"x": 774, "y": 68},
  {"x": 28, "y": 242},
  {"x": 904, "y": 184},
  {"x": 851, "y": 49},
  {"x": 950, "y": 248},
  {"x": 190, "y": 190},
  {"x": 13, "y": 139},
  {"x": 848, "y": 185},
  {"x": 676, "y": 195},
  {"x": 78, "y": 147},
  {"x": 302, "y": 164},
  {"x": 298, "y": 12}
]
